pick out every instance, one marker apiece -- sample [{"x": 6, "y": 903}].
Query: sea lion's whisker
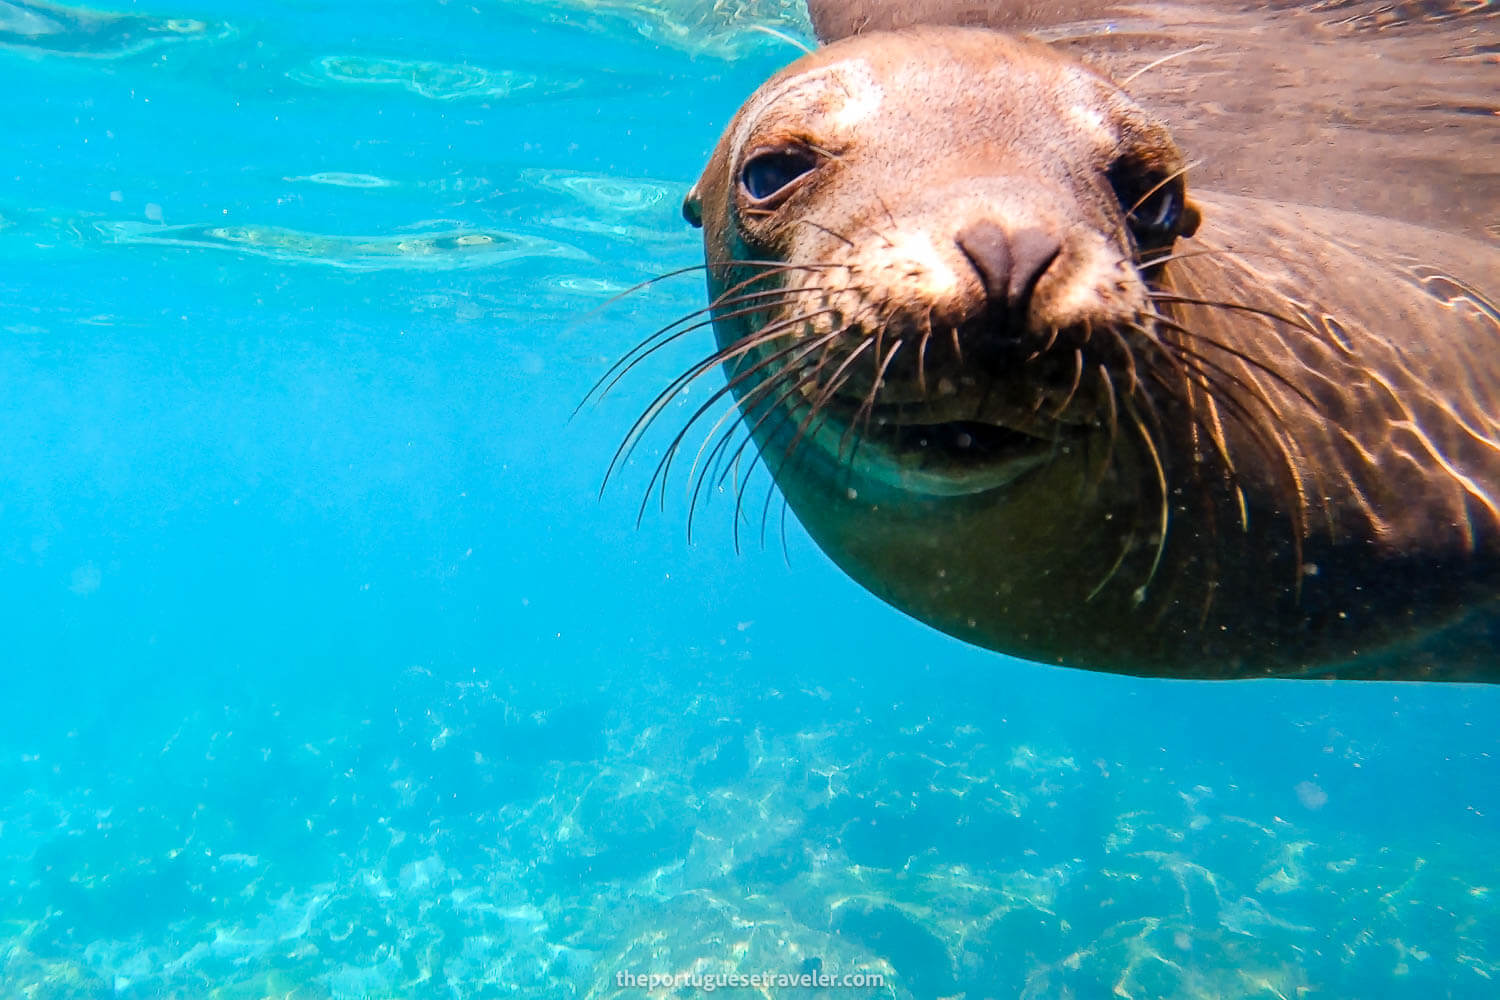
[
  {"x": 794, "y": 381},
  {"x": 1234, "y": 352},
  {"x": 824, "y": 229},
  {"x": 738, "y": 411},
  {"x": 1208, "y": 372},
  {"x": 1264, "y": 435},
  {"x": 798, "y": 380},
  {"x": 623, "y": 372},
  {"x": 633, "y": 289},
  {"x": 835, "y": 382},
  {"x": 1114, "y": 568},
  {"x": 1166, "y": 503},
  {"x": 730, "y": 462},
  {"x": 1209, "y": 431},
  {"x": 786, "y": 555},
  {"x": 1129, "y": 355},
  {"x": 1297, "y": 488},
  {"x": 1211, "y": 370},
  {"x": 1165, "y": 59},
  {"x": 837, "y": 312},
  {"x": 1114, "y": 423},
  {"x": 790, "y": 372},
  {"x": 782, "y": 36},
  {"x": 750, "y": 343},
  {"x": 664, "y": 466},
  {"x": 922, "y": 358},
  {"x": 1158, "y": 295},
  {"x": 771, "y": 266},
  {"x": 1216, "y": 433},
  {"x": 1269, "y": 439},
  {"x": 645, "y": 348},
  {"x": 1195, "y": 379},
  {"x": 890, "y": 217},
  {"x": 1072, "y": 389},
  {"x": 1231, "y": 254},
  {"x": 1136, "y": 399},
  {"x": 675, "y": 273},
  {"x": 867, "y": 405}
]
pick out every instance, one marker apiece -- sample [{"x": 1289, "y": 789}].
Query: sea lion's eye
[
  {"x": 1153, "y": 205},
  {"x": 1159, "y": 211},
  {"x": 768, "y": 173}
]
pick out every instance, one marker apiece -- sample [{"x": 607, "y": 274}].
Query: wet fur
[{"x": 1267, "y": 444}]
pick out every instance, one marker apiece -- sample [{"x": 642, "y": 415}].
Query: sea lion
[{"x": 1021, "y": 383}]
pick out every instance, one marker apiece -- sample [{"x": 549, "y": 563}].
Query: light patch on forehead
[
  {"x": 843, "y": 94},
  {"x": 1082, "y": 103},
  {"x": 1090, "y": 120},
  {"x": 864, "y": 95}
]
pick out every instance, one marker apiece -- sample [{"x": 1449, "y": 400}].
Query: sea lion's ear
[
  {"x": 692, "y": 208},
  {"x": 1192, "y": 218}
]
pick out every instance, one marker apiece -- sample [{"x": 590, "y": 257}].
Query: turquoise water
[{"x": 327, "y": 675}]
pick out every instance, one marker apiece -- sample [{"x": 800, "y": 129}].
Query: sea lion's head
[
  {"x": 928, "y": 254},
  {"x": 930, "y": 258},
  {"x": 949, "y": 292}
]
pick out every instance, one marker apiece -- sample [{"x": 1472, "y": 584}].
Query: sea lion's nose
[{"x": 1009, "y": 264}]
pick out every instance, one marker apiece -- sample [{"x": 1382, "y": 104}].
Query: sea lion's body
[{"x": 1017, "y": 386}]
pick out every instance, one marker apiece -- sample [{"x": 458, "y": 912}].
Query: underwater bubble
[
  {"x": 85, "y": 580},
  {"x": 1311, "y": 795},
  {"x": 417, "y": 251},
  {"x": 584, "y": 285},
  {"x": 52, "y": 29},
  {"x": 436, "y": 81}
]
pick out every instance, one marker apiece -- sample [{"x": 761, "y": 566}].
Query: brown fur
[{"x": 1304, "y": 398}]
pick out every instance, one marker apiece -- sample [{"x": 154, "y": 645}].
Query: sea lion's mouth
[{"x": 916, "y": 452}]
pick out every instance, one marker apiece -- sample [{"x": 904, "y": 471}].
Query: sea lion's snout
[{"x": 1009, "y": 263}]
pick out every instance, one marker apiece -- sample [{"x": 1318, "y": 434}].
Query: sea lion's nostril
[
  {"x": 988, "y": 248},
  {"x": 1032, "y": 251},
  {"x": 1009, "y": 264}
]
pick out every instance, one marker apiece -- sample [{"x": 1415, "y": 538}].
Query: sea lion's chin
[{"x": 930, "y": 450}]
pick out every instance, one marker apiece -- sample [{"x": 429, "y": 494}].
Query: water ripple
[
  {"x": 722, "y": 29},
  {"x": 429, "y": 251},
  {"x": 53, "y": 29},
  {"x": 340, "y": 178},
  {"x": 614, "y": 194},
  {"x": 436, "y": 81}
]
